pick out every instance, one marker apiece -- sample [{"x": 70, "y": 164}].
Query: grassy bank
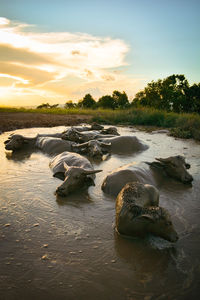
[{"x": 180, "y": 125}]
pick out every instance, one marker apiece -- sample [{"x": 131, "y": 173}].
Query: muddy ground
[{"x": 11, "y": 121}]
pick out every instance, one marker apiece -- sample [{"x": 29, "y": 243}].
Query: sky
[{"x": 56, "y": 51}]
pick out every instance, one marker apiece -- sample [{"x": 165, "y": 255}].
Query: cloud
[
  {"x": 24, "y": 56},
  {"x": 26, "y": 75},
  {"x": 60, "y": 63}
]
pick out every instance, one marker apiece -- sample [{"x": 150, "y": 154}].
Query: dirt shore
[{"x": 11, "y": 121}]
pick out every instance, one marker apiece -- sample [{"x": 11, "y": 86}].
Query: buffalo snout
[{"x": 188, "y": 178}]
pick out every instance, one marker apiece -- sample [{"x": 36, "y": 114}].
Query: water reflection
[
  {"x": 21, "y": 155},
  {"x": 142, "y": 257},
  {"x": 84, "y": 259},
  {"x": 76, "y": 199}
]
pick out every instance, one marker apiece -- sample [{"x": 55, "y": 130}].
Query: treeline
[
  {"x": 172, "y": 94},
  {"x": 117, "y": 100}
]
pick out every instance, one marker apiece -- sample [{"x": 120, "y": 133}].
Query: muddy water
[{"x": 67, "y": 248}]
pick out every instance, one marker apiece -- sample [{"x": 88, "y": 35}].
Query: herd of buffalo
[{"x": 134, "y": 185}]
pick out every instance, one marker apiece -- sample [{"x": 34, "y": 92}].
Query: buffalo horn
[
  {"x": 89, "y": 172},
  {"x": 81, "y": 145},
  {"x": 105, "y": 144},
  {"x": 66, "y": 166},
  {"x": 164, "y": 160}
]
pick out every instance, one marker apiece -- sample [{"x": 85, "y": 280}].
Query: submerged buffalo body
[
  {"x": 124, "y": 144},
  {"x": 93, "y": 126},
  {"x": 48, "y": 144},
  {"x": 76, "y": 171},
  {"x": 55, "y": 145},
  {"x": 151, "y": 173},
  {"x": 138, "y": 213},
  {"x": 81, "y": 137}
]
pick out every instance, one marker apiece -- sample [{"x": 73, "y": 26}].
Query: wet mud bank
[
  {"x": 12, "y": 121},
  {"x": 67, "y": 248}
]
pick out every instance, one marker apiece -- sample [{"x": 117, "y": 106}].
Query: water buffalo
[
  {"x": 92, "y": 148},
  {"x": 17, "y": 142},
  {"x": 137, "y": 214},
  {"x": 55, "y": 145},
  {"x": 76, "y": 171},
  {"x": 74, "y": 135},
  {"x": 110, "y": 130},
  {"x": 46, "y": 143},
  {"x": 124, "y": 144},
  {"x": 94, "y": 126},
  {"x": 152, "y": 173}
]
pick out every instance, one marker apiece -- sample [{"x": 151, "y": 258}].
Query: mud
[
  {"x": 12, "y": 121},
  {"x": 67, "y": 248}
]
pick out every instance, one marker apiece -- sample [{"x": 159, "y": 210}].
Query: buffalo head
[
  {"x": 75, "y": 178},
  {"x": 176, "y": 167},
  {"x": 15, "y": 142},
  {"x": 110, "y": 130},
  {"x": 96, "y": 126},
  {"x": 93, "y": 148},
  {"x": 71, "y": 134},
  {"x": 157, "y": 221}
]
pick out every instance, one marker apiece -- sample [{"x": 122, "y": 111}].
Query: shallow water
[{"x": 67, "y": 248}]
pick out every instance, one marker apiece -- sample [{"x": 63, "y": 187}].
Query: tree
[
  {"x": 43, "y": 105},
  {"x": 53, "y": 106},
  {"x": 88, "y": 102},
  {"x": 47, "y": 105},
  {"x": 120, "y": 99},
  {"x": 193, "y": 98},
  {"x": 69, "y": 104},
  {"x": 106, "y": 102},
  {"x": 172, "y": 94}
]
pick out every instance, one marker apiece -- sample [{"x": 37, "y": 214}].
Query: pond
[{"x": 54, "y": 248}]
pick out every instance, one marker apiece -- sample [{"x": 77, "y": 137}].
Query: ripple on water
[{"x": 83, "y": 250}]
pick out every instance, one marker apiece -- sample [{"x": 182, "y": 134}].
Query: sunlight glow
[
  {"x": 15, "y": 78},
  {"x": 49, "y": 62}
]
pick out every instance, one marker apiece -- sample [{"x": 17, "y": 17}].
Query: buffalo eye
[{"x": 173, "y": 165}]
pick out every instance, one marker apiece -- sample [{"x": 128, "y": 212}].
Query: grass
[
  {"x": 180, "y": 125},
  {"x": 58, "y": 111}
]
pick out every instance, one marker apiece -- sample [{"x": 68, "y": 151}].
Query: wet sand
[{"x": 17, "y": 120}]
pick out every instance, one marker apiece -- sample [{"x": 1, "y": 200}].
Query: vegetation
[
  {"x": 106, "y": 101},
  {"x": 171, "y": 94},
  {"x": 118, "y": 100},
  {"x": 180, "y": 125},
  {"x": 87, "y": 102},
  {"x": 47, "y": 105},
  {"x": 168, "y": 103}
]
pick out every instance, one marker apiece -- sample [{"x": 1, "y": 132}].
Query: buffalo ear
[
  {"x": 59, "y": 175},
  {"x": 146, "y": 217},
  {"x": 156, "y": 164}
]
